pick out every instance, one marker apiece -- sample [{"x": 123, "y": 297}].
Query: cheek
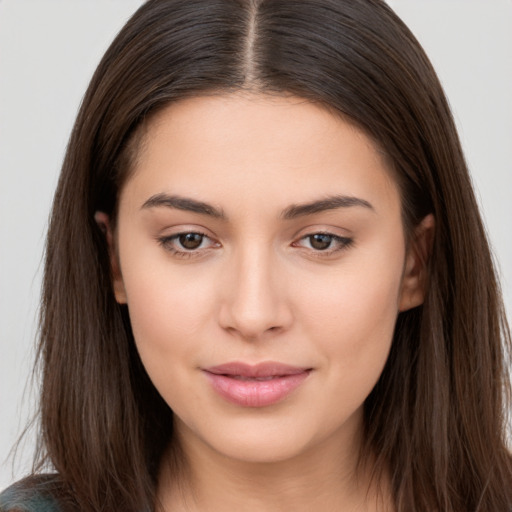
[
  {"x": 167, "y": 319},
  {"x": 359, "y": 296},
  {"x": 355, "y": 330},
  {"x": 168, "y": 308},
  {"x": 352, "y": 319}
]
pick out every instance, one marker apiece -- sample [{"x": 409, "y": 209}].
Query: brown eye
[
  {"x": 325, "y": 244},
  {"x": 188, "y": 244},
  {"x": 190, "y": 241},
  {"x": 320, "y": 241}
]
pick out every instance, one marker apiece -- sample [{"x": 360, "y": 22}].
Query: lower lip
[{"x": 256, "y": 393}]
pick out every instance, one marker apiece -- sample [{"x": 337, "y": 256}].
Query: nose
[{"x": 254, "y": 302}]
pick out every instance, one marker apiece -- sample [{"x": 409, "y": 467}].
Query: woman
[{"x": 266, "y": 283}]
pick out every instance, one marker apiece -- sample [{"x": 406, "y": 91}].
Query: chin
[
  {"x": 269, "y": 439},
  {"x": 260, "y": 449}
]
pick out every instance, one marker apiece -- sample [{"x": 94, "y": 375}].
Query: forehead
[{"x": 255, "y": 148}]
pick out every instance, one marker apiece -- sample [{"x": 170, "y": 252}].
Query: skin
[{"x": 258, "y": 288}]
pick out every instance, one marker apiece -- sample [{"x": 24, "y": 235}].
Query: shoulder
[{"x": 33, "y": 494}]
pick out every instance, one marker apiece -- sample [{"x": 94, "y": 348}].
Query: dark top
[{"x": 34, "y": 494}]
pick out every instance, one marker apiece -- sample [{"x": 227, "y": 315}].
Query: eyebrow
[
  {"x": 184, "y": 203},
  {"x": 328, "y": 203},
  {"x": 291, "y": 212}
]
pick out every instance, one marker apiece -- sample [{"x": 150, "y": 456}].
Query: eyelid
[
  {"x": 167, "y": 242},
  {"x": 339, "y": 241},
  {"x": 342, "y": 242}
]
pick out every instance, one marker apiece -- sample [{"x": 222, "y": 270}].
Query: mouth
[
  {"x": 258, "y": 385},
  {"x": 257, "y": 379}
]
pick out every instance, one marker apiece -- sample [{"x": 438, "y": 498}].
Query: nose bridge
[{"x": 255, "y": 302}]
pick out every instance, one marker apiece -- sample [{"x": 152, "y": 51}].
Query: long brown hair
[{"x": 436, "y": 419}]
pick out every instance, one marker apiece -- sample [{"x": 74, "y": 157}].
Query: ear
[
  {"x": 415, "y": 275},
  {"x": 103, "y": 221}
]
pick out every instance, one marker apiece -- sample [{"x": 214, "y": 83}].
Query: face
[{"x": 260, "y": 250}]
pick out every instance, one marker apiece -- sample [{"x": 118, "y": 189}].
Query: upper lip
[{"x": 265, "y": 369}]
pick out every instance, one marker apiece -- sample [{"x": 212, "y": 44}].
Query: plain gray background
[{"x": 48, "y": 51}]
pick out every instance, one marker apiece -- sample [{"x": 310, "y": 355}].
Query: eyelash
[
  {"x": 168, "y": 242},
  {"x": 341, "y": 243}
]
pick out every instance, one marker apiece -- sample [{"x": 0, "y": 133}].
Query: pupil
[
  {"x": 320, "y": 241},
  {"x": 191, "y": 240}
]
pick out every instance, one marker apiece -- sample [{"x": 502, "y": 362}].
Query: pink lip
[{"x": 255, "y": 385}]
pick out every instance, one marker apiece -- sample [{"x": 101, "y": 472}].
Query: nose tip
[
  {"x": 251, "y": 324},
  {"x": 255, "y": 303}
]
